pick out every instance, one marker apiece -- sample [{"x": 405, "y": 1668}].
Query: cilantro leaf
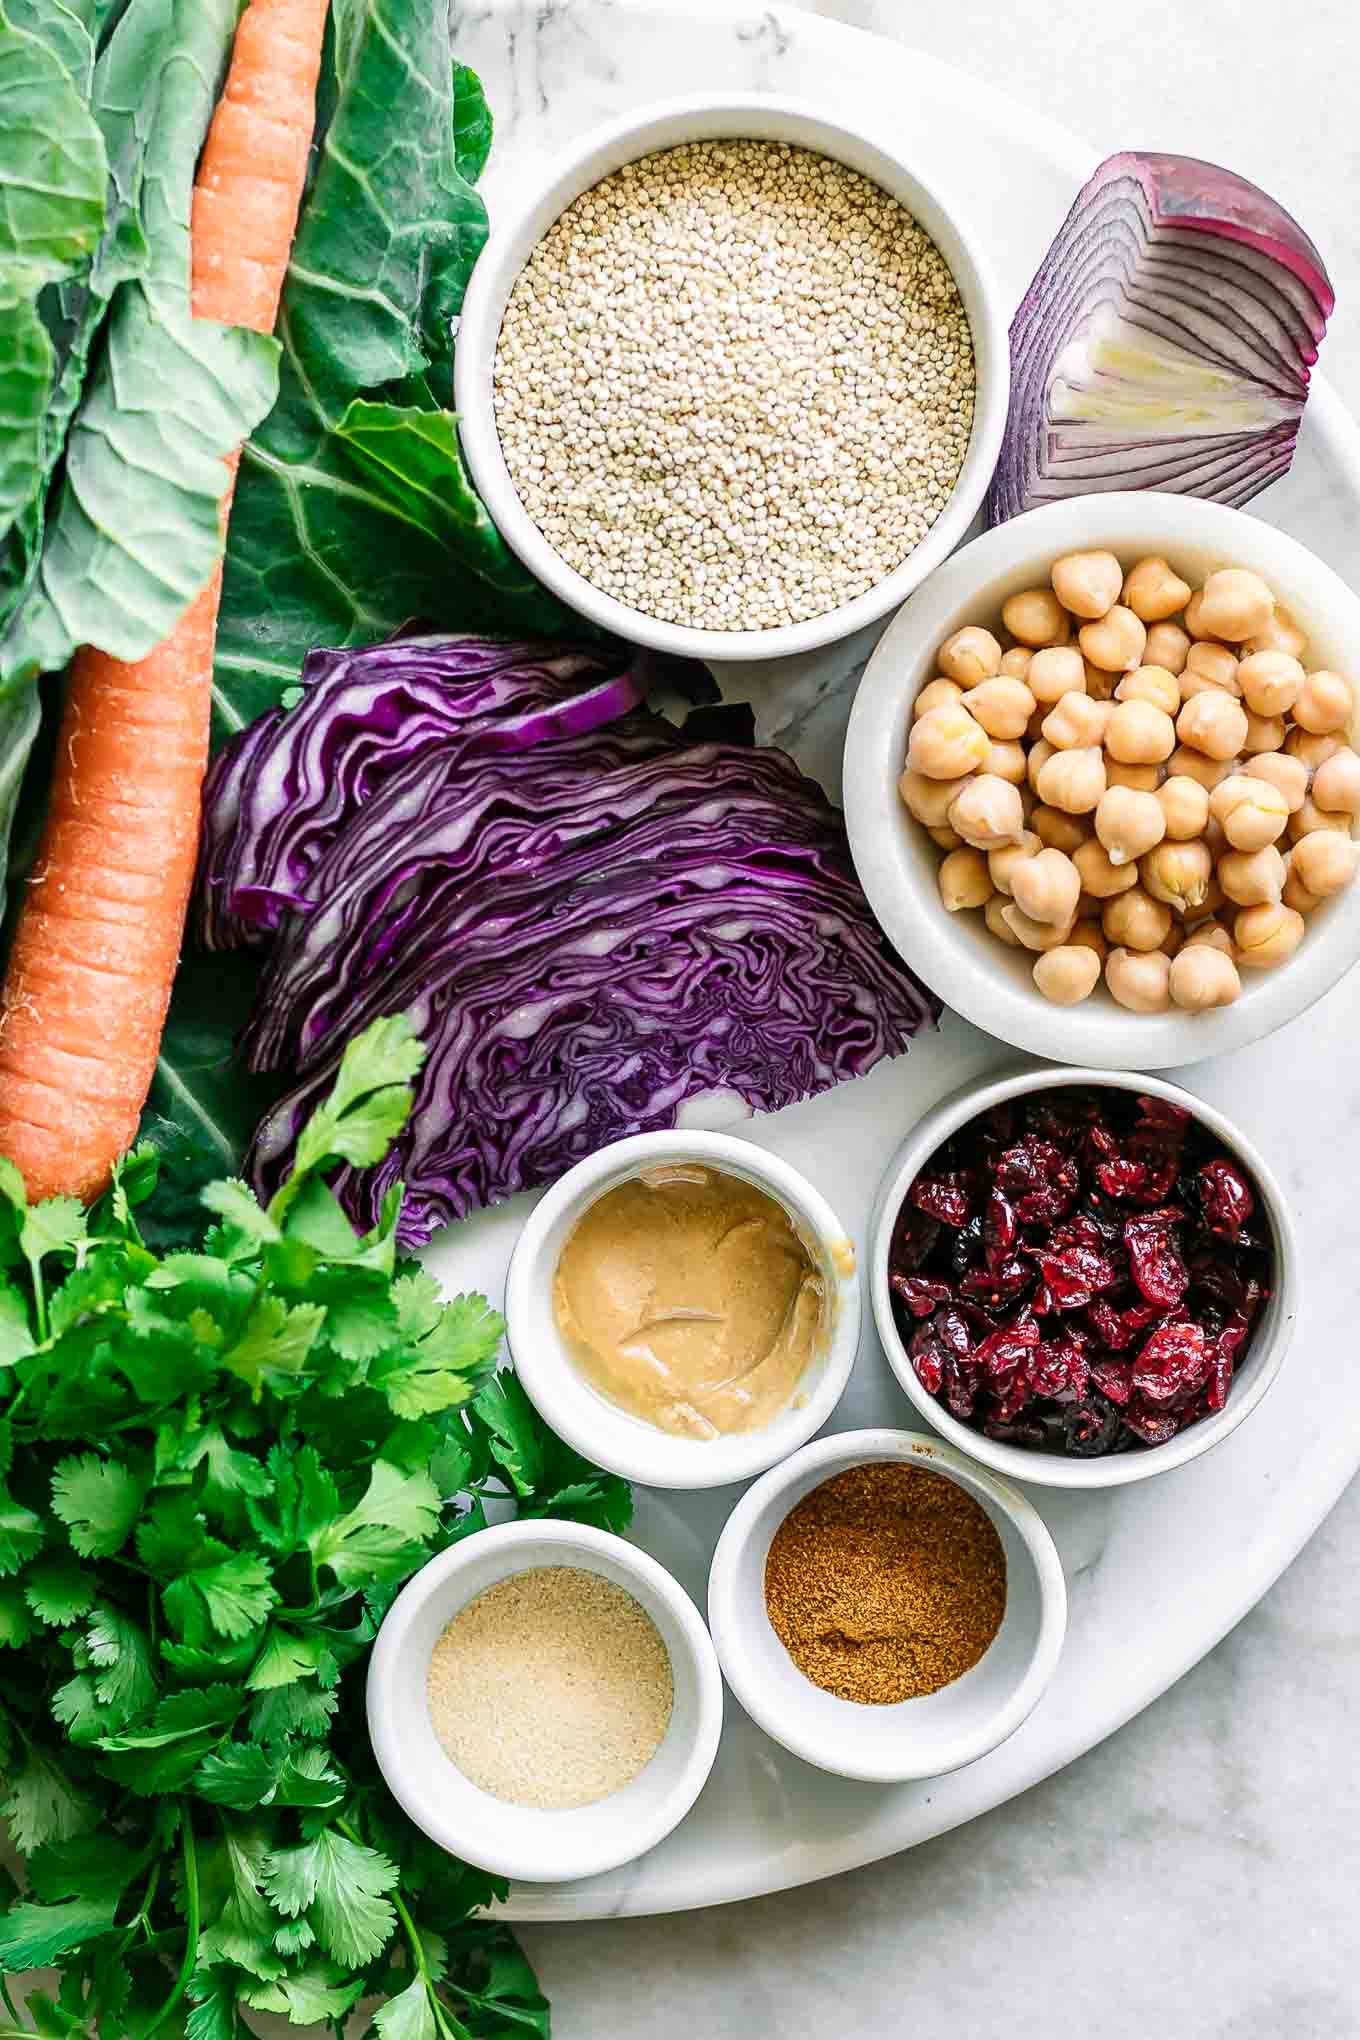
[
  {"x": 407, "y": 2016},
  {"x": 275, "y": 1342},
  {"x": 16, "y": 1623},
  {"x": 33, "y": 1936},
  {"x": 98, "y": 1500},
  {"x": 121, "y": 1655},
  {"x": 308, "y": 1996},
  {"x": 21, "y": 1534},
  {"x": 89, "y": 1866},
  {"x": 380, "y": 1536},
  {"x": 238, "y": 1922},
  {"x": 547, "y": 1477},
  {"x": 58, "y": 1590},
  {"x": 16, "y": 1338},
  {"x": 339, "y": 1884},
  {"x": 368, "y": 1105},
  {"x": 442, "y": 1368},
  {"x": 287, "y": 1655},
  {"x": 237, "y": 1594},
  {"x": 43, "y": 1805}
]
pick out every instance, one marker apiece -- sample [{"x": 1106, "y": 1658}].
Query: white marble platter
[{"x": 1158, "y": 1571}]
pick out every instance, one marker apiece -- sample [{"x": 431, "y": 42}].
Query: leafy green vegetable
[
  {"x": 52, "y": 196},
  {"x": 224, "y": 1464},
  {"x": 349, "y": 520}
]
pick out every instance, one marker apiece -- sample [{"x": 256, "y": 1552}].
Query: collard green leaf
[
  {"x": 27, "y": 370},
  {"x": 52, "y": 196},
  {"x": 33, "y": 1936}
]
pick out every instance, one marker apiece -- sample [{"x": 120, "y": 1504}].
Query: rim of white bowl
[
  {"x": 478, "y": 1842},
  {"x": 665, "y": 124},
  {"x": 858, "y": 1448},
  {"x": 599, "y": 1429},
  {"x": 1269, "y": 1345},
  {"x": 979, "y": 977}
]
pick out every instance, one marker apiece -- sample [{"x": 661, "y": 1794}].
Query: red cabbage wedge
[
  {"x": 595, "y": 924},
  {"x": 1166, "y": 342}
]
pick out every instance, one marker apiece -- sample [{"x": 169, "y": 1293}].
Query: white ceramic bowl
[
  {"x": 957, "y": 956},
  {"x": 1273, "y": 1330},
  {"x": 915, "y": 1738},
  {"x": 599, "y": 1428},
  {"x": 522, "y": 224},
  {"x": 522, "y": 1841}
]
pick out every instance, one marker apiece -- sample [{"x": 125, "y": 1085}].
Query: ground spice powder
[{"x": 885, "y": 1583}]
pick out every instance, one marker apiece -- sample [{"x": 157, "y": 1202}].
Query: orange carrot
[{"x": 99, "y": 933}]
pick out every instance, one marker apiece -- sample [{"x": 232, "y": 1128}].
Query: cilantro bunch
[{"x": 217, "y": 1469}]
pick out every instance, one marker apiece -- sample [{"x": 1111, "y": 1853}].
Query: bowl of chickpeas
[{"x": 1102, "y": 780}]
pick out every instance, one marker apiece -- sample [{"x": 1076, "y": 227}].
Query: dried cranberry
[
  {"x": 1000, "y": 1229},
  {"x": 919, "y": 1293},
  {"x": 960, "y": 1387},
  {"x": 996, "y": 1286},
  {"x": 1155, "y": 1264},
  {"x": 1226, "y": 1198},
  {"x": 1119, "y": 1328},
  {"x": 1058, "y": 1368},
  {"x": 1091, "y": 1428},
  {"x": 1031, "y": 1434},
  {"x": 1074, "y": 1275},
  {"x": 1153, "y": 1426},
  {"x": 1114, "y": 1378},
  {"x": 1041, "y": 1181},
  {"x": 947, "y": 1197},
  {"x": 1174, "y": 1361},
  {"x": 965, "y": 1249},
  {"x": 913, "y": 1241},
  {"x": 1004, "y": 1351}
]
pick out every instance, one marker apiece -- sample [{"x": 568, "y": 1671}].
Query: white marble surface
[{"x": 1196, "y": 1872}]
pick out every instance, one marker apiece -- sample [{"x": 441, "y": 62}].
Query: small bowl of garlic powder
[
  {"x": 544, "y": 1701},
  {"x": 732, "y": 380}
]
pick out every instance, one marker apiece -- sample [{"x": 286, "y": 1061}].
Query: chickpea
[
  {"x": 1153, "y": 592},
  {"x": 1308, "y": 819},
  {"x": 1252, "y": 878},
  {"x": 929, "y": 800},
  {"x": 1313, "y": 748},
  {"x": 1175, "y": 938},
  {"x": 1087, "y": 583},
  {"x": 1142, "y": 778},
  {"x": 1067, "y": 974},
  {"x": 1264, "y": 733},
  {"x": 1178, "y": 875},
  {"x": 1129, "y": 823},
  {"x": 1289, "y": 775},
  {"x": 945, "y": 839},
  {"x": 1296, "y": 893},
  {"x": 938, "y": 694},
  {"x": 1202, "y": 977},
  {"x": 1001, "y": 863},
  {"x": 1100, "y": 685},
  {"x": 1140, "y": 981},
  {"x": 1059, "y": 831},
  {"x": 1055, "y": 671},
  {"x": 1046, "y": 887},
  {"x": 1185, "y": 807},
  {"x": 1270, "y": 682},
  {"x": 1325, "y": 703},
  {"x": 1039, "y": 755},
  {"x": 1134, "y": 920},
  {"x": 1325, "y": 862},
  {"x": 987, "y": 812},
  {"x": 1015, "y": 663},
  {"x": 1099, "y": 878},
  {"x": 1211, "y": 935},
  {"x": 1210, "y": 665},
  {"x": 1151, "y": 683},
  {"x": 1281, "y": 634},
  {"x": 1336, "y": 783},
  {"x": 1266, "y": 935},
  {"x": 1029, "y": 800},
  {"x": 1037, "y": 618},
  {"x": 1213, "y": 723},
  {"x": 946, "y": 744},
  {"x": 992, "y": 915},
  {"x": 1003, "y": 707},
  {"x": 1116, "y": 643},
  {"x": 1250, "y": 811},
  {"x": 1187, "y": 764},
  {"x": 1194, "y": 617},
  {"x": 1087, "y": 933},
  {"x": 1073, "y": 780},
  {"x": 1139, "y": 734},
  {"x": 1032, "y": 934},
  {"x": 1168, "y": 646},
  {"x": 964, "y": 880},
  {"x": 1234, "y": 604},
  {"x": 970, "y": 655},
  {"x": 1034, "y": 729},
  {"x": 1006, "y": 761},
  {"x": 1075, "y": 722}
]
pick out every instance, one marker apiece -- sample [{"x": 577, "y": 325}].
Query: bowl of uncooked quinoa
[{"x": 733, "y": 380}]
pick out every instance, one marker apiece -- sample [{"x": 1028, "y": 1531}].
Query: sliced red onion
[{"x": 1166, "y": 342}]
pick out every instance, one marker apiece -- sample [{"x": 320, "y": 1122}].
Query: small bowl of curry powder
[{"x": 886, "y": 1608}]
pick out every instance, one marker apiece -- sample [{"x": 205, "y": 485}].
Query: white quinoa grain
[
  {"x": 734, "y": 385},
  {"x": 551, "y": 1689}
]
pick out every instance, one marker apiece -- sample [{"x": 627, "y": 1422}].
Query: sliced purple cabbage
[
  {"x": 1166, "y": 342},
  {"x": 275, "y": 797},
  {"x": 591, "y": 932}
]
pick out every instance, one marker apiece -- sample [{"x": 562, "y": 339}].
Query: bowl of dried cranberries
[{"x": 1082, "y": 1277}]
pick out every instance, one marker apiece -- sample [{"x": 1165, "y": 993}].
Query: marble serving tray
[{"x": 1159, "y": 1571}]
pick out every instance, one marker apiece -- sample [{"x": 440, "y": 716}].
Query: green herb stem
[{"x": 191, "y": 1923}]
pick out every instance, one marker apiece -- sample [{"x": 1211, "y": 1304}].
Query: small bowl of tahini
[
  {"x": 544, "y": 1701},
  {"x": 684, "y": 1308},
  {"x": 732, "y": 378}
]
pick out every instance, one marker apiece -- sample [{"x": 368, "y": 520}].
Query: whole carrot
[{"x": 99, "y": 933}]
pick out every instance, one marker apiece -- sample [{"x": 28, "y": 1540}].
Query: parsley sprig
[{"x": 217, "y": 1469}]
